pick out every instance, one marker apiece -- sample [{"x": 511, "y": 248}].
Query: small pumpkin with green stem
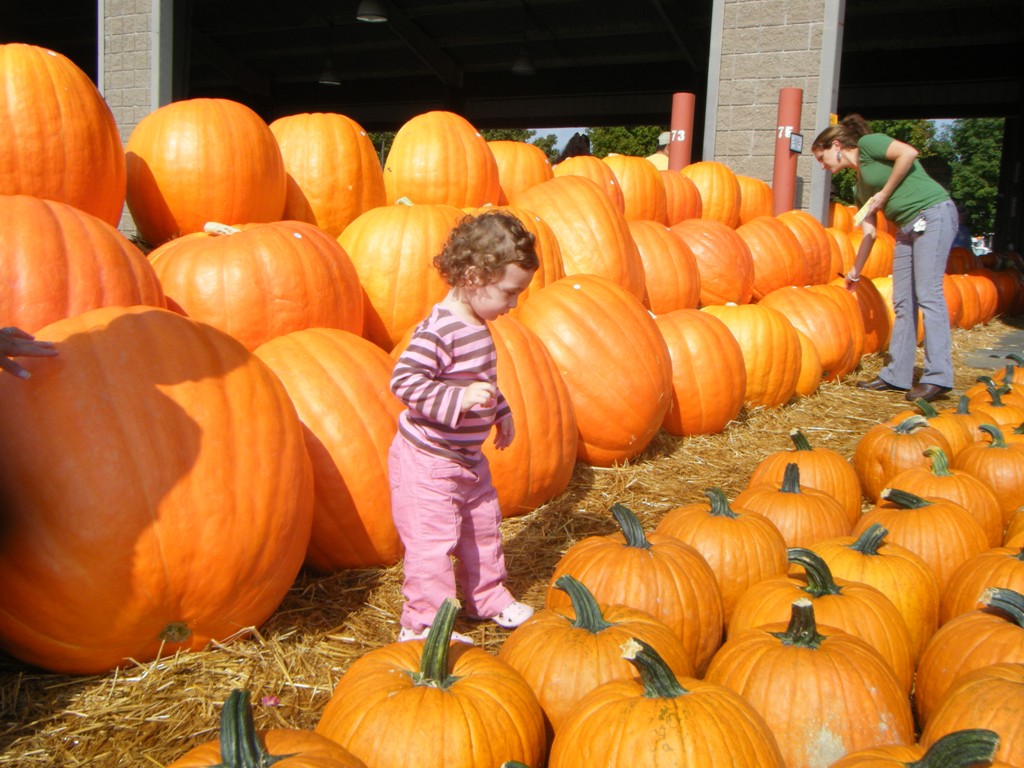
[
  {"x": 662, "y": 718},
  {"x": 434, "y": 702},
  {"x": 960, "y": 749},
  {"x": 895, "y": 571},
  {"x": 564, "y": 653},
  {"x": 998, "y": 464},
  {"x": 823, "y": 691},
  {"x": 241, "y": 746},
  {"x": 999, "y": 566},
  {"x": 860, "y": 609},
  {"x": 887, "y": 449},
  {"x": 653, "y": 572},
  {"x": 990, "y": 635}
]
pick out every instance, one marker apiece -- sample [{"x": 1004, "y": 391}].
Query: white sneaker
[
  {"x": 406, "y": 634},
  {"x": 513, "y": 615}
]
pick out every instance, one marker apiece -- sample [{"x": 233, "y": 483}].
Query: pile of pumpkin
[{"x": 219, "y": 413}]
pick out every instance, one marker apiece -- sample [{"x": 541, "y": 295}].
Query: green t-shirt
[{"x": 916, "y": 192}]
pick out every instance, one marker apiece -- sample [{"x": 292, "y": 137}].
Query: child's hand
[
  {"x": 478, "y": 393},
  {"x": 505, "y": 432}
]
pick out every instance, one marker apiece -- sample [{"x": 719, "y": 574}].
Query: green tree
[
  {"x": 975, "y": 148},
  {"x": 638, "y": 140},
  {"x": 382, "y": 142},
  {"x": 547, "y": 143}
]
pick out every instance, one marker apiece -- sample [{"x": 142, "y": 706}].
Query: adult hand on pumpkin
[
  {"x": 15, "y": 342},
  {"x": 505, "y": 432}
]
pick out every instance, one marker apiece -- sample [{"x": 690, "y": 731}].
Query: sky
[{"x": 563, "y": 134}]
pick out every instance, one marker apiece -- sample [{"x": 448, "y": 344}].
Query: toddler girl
[{"x": 442, "y": 498}]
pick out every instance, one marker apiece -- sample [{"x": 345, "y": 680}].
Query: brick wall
[{"x": 764, "y": 46}]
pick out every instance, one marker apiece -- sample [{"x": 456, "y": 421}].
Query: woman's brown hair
[{"x": 847, "y": 132}]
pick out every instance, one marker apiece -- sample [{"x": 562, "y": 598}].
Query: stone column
[
  {"x": 757, "y": 48},
  {"x": 134, "y": 53}
]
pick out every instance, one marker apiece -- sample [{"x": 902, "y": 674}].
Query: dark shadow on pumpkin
[{"x": 98, "y": 575}]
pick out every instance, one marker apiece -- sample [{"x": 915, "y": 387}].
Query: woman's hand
[{"x": 15, "y": 342}]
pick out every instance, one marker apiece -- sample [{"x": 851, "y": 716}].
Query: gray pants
[{"x": 919, "y": 263}]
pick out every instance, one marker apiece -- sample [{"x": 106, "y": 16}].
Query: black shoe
[
  {"x": 926, "y": 392},
  {"x": 877, "y": 385}
]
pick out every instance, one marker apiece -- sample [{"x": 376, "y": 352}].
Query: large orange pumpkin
[
  {"x": 887, "y": 449},
  {"x": 671, "y": 275},
  {"x": 200, "y": 160},
  {"x": 724, "y": 261},
  {"x": 438, "y": 158},
  {"x": 61, "y": 141},
  {"x": 520, "y": 166},
  {"x": 778, "y": 256},
  {"x": 392, "y": 248},
  {"x": 613, "y": 359},
  {"x": 339, "y": 384},
  {"x": 709, "y": 377},
  {"x": 262, "y": 280},
  {"x": 719, "y": 191},
  {"x": 599, "y": 172},
  {"x": 816, "y": 244},
  {"x": 756, "y": 198},
  {"x": 880, "y": 257},
  {"x": 158, "y": 495},
  {"x": 593, "y": 236},
  {"x": 333, "y": 169},
  {"x": 771, "y": 351},
  {"x": 682, "y": 198},
  {"x": 57, "y": 261},
  {"x": 538, "y": 465},
  {"x": 876, "y": 315},
  {"x": 643, "y": 191},
  {"x": 825, "y": 324}
]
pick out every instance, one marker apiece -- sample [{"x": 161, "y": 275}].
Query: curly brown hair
[
  {"x": 481, "y": 246},
  {"x": 847, "y": 132}
]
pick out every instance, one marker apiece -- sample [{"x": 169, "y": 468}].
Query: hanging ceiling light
[
  {"x": 372, "y": 11},
  {"x": 523, "y": 65},
  {"x": 329, "y": 75}
]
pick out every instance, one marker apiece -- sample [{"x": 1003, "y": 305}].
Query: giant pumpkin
[
  {"x": 339, "y": 383},
  {"x": 439, "y": 158},
  {"x": 200, "y": 160},
  {"x": 719, "y": 191},
  {"x": 724, "y": 261},
  {"x": 333, "y": 169},
  {"x": 156, "y": 488},
  {"x": 262, "y": 280},
  {"x": 60, "y": 138},
  {"x": 643, "y": 191},
  {"x": 613, "y": 360},
  {"x": 57, "y": 261},
  {"x": 520, "y": 166}
]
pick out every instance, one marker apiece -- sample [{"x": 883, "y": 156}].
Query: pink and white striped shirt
[{"x": 445, "y": 355}]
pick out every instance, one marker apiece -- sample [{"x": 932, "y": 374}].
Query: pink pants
[{"x": 440, "y": 509}]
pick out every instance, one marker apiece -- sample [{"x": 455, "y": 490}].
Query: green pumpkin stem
[
  {"x": 514, "y": 764},
  {"x": 658, "y": 680},
  {"x": 719, "y": 503},
  {"x": 800, "y": 441},
  {"x": 960, "y": 749},
  {"x": 927, "y": 409},
  {"x": 870, "y": 539},
  {"x": 1006, "y": 600},
  {"x": 909, "y": 424},
  {"x": 791, "y": 479},
  {"x": 998, "y": 441},
  {"x": 802, "y": 630},
  {"x": 904, "y": 499},
  {"x": 995, "y": 394},
  {"x": 588, "y": 612},
  {"x": 631, "y": 527},
  {"x": 963, "y": 406},
  {"x": 819, "y": 577},
  {"x": 940, "y": 462},
  {"x": 240, "y": 745},
  {"x": 434, "y": 660}
]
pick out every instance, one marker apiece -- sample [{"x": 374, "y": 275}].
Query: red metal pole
[
  {"x": 682, "y": 131},
  {"x": 784, "y": 173}
]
